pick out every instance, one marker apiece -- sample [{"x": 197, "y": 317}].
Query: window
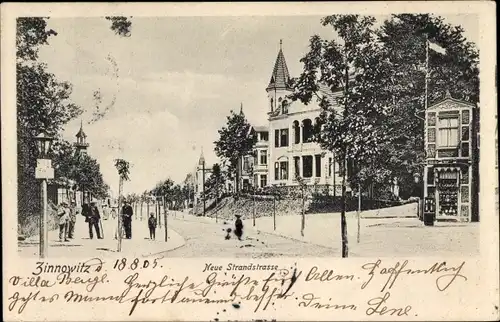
[
  {"x": 448, "y": 132},
  {"x": 330, "y": 166},
  {"x": 263, "y": 157},
  {"x": 264, "y": 136},
  {"x": 276, "y": 171},
  {"x": 272, "y": 104},
  {"x": 318, "y": 165},
  {"x": 277, "y": 138},
  {"x": 285, "y": 107},
  {"x": 296, "y": 161},
  {"x": 307, "y": 131},
  {"x": 307, "y": 162},
  {"x": 284, "y": 138},
  {"x": 246, "y": 164},
  {"x": 284, "y": 170},
  {"x": 296, "y": 132},
  {"x": 430, "y": 176},
  {"x": 263, "y": 180}
]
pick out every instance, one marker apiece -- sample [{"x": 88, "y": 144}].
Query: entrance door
[{"x": 447, "y": 193}]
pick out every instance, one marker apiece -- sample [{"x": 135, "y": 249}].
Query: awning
[{"x": 447, "y": 169}]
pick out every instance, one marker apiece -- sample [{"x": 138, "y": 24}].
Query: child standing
[{"x": 152, "y": 226}]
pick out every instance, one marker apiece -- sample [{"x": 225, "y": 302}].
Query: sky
[{"x": 169, "y": 87}]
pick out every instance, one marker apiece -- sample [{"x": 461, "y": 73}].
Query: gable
[{"x": 450, "y": 104}]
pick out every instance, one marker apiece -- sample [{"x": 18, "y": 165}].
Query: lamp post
[
  {"x": 43, "y": 172},
  {"x": 416, "y": 177}
]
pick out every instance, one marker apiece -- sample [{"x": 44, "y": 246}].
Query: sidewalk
[
  {"x": 83, "y": 247},
  {"x": 383, "y": 237}
]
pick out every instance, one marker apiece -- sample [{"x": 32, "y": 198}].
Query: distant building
[
  {"x": 201, "y": 175},
  {"x": 284, "y": 148},
  {"x": 81, "y": 144},
  {"x": 451, "y": 173}
]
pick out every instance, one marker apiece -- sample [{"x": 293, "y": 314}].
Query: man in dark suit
[
  {"x": 93, "y": 220},
  {"x": 127, "y": 213}
]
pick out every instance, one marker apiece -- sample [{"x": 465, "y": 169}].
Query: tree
[
  {"x": 351, "y": 65},
  {"x": 234, "y": 143},
  {"x": 403, "y": 45},
  {"x": 43, "y": 103},
  {"x": 120, "y": 25},
  {"x": 123, "y": 168},
  {"x": 81, "y": 168},
  {"x": 215, "y": 183}
]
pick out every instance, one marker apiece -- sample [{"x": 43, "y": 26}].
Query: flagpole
[{"x": 426, "y": 69}]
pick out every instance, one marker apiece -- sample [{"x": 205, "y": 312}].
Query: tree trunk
[
  {"x": 158, "y": 206},
  {"x": 119, "y": 230},
  {"x": 343, "y": 222},
  {"x": 142, "y": 204},
  {"x": 359, "y": 213}
]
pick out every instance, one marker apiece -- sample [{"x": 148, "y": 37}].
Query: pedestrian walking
[
  {"x": 127, "y": 213},
  {"x": 152, "y": 226},
  {"x": 105, "y": 212},
  {"x": 72, "y": 220},
  {"x": 93, "y": 220},
  {"x": 238, "y": 225},
  {"x": 63, "y": 214}
]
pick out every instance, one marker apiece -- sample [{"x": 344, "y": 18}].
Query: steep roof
[
  {"x": 280, "y": 76},
  {"x": 202, "y": 159},
  {"x": 80, "y": 133}
]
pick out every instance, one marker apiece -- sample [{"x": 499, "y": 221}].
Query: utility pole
[{"x": 165, "y": 219}]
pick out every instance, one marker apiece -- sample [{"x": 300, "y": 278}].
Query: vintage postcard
[{"x": 250, "y": 161}]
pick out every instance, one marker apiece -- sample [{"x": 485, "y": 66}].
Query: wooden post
[
  {"x": 159, "y": 211},
  {"x": 165, "y": 219},
  {"x": 156, "y": 211},
  {"x": 119, "y": 230},
  {"x": 303, "y": 219},
  {"x": 274, "y": 211}
]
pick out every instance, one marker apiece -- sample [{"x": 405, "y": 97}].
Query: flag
[{"x": 437, "y": 48}]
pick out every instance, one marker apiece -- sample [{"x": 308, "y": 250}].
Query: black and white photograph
[
  {"x": 248, "y": 137},
  {"x": 250, "y": 161}
]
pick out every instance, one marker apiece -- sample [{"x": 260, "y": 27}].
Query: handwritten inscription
[
  {"x": 310, "y": 300},
  {"x": 377, "y": 307},
  {"x": 83, "y": 283},
  {"x": 446, "y": 275}
]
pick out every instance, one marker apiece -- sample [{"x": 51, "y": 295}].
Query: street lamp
[
  {"x": 43, "y": 172},
  {"x": 43, "y": 144}
]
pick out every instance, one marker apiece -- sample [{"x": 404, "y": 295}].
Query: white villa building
[{"x": 284, "y": 147}]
